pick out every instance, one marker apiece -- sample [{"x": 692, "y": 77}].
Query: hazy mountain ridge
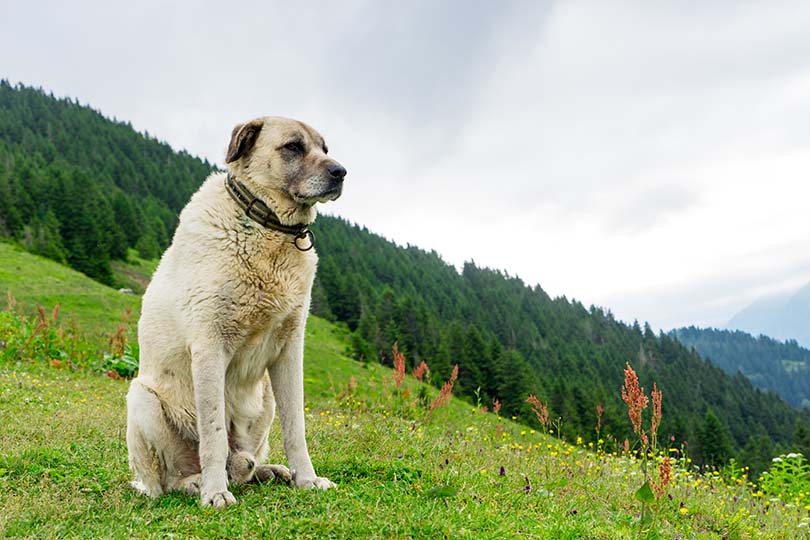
[
  {"x": 769, "y": 364},
  {"x": 509, "y": 339},
  {"x": 782, "y": 317}
]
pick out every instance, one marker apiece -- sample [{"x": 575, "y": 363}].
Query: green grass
[
  {"x": 134, "y": 273},
  {"x": 36, "y": 281},
  {"x": 460, "y": 474}
]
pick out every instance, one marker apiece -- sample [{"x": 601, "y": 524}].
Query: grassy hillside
[
  {"x": 35, "y": 280},
  {"x": 457, "y": 473},
  {"x": 463, "y": 474}
]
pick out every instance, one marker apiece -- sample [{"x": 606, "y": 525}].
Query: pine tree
[{"x": 715, "y": 446}]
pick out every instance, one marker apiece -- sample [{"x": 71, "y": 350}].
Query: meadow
[{"x": 407, "y": 463}]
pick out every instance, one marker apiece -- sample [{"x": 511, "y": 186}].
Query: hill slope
[
  {"x": 783, "y": 367},
  {"x": 34, "y": 280},
  {"x": 784, "y": 317},
  {"x": 509, "y": 339}
]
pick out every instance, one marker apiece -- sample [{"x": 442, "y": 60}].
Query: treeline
[
  {"x": 81, "y": 189},
  {"x": 781, "y": 366}
]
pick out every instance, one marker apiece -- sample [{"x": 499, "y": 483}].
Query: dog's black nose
[{"x": 336, "y": 170}]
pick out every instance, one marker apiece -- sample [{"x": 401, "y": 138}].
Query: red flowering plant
[{"x": 635, "y": 399}]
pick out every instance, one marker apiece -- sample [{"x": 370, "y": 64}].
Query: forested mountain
[
  {"x": 81, "y": 189},
  {"x": 783, "y": 367},
  {"x": 510, "y": 339},
  {"x": 77, "y": 187},
  {"x": 783, "y": 317}
]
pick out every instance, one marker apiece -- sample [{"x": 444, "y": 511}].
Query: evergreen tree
[
  {"x": 715, "y": 446},
  {"x": 42, "y": 237}
]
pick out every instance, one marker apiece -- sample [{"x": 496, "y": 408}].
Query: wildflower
[
  {"x": 420, "y": 371},
  {"x": 664, "y": 477},
  {"x": 634, "y": 397},
  {"x": 540, "y": 410},
  {"x": 496, "y": 406},
  {"x": 684, "y": 510},
  {"x": 656, "y": 418},
  {"x": 399, "y": 367},
  {"x": 446, "y": 392},
  {"x": 599, "y": 411}
]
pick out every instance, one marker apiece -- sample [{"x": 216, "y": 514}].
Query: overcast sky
[{"x": 649, "y": 157}]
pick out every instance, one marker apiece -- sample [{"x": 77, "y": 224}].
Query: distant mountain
[
  {"x": 781, "y": 317},
  {"x": 783, "y": 367}
]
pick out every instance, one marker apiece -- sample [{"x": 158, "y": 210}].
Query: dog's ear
[{"x": 243, "y": 138}]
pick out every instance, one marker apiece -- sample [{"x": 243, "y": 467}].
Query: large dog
[{"x": 222, "y": 326}]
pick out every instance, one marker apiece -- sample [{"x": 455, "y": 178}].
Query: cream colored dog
[{"x": 222, "y": 326}]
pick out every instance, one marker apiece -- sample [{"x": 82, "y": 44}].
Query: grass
[
  {"x": 38, "y": 281},
  {"x": 462, "y": 474},
  {"x": 134, "y": 273}
]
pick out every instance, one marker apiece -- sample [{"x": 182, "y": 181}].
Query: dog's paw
[
  {"x": 150, "y": 491},
  {"x": 218, "y": 499},
  {"x": 272, "y": 473},
  {"x": 191, "y": 484},
  {"x": 240, "y": 467},
  {"x": 316, "y": 482}
]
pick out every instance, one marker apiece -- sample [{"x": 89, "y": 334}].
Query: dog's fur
[{"x": 221, "y": 332}]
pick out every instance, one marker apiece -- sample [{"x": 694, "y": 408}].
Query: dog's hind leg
[
  {"x": 260, "y": 430},
  {"x": 159, "y": 457},
  {"x": 250, "y": 442}
]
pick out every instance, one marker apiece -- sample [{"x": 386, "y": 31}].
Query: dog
[{"x": 221, "y": 331}]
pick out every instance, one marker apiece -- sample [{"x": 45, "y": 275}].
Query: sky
[{"x": 648, "y": 157}]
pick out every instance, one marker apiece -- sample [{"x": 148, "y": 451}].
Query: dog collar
[{"x": 258, "y": 211}]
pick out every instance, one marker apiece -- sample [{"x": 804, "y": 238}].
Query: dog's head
[{"x": 287, "y": 157}]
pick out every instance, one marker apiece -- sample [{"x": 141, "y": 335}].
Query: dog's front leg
[
  {"x": 287, "y": 380},
  {"x": 208, "y": 365}
]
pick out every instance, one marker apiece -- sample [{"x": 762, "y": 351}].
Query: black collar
[{"x": 258, "y": 211}]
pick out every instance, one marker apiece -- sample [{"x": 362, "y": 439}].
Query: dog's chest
[
  {"x": 271, "y": 289},
  {"x": 270, "y": 295},
  {"x": 261, "y": 350}
]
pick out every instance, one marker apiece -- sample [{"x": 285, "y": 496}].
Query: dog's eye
[{"x": 296, "y": 147}]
